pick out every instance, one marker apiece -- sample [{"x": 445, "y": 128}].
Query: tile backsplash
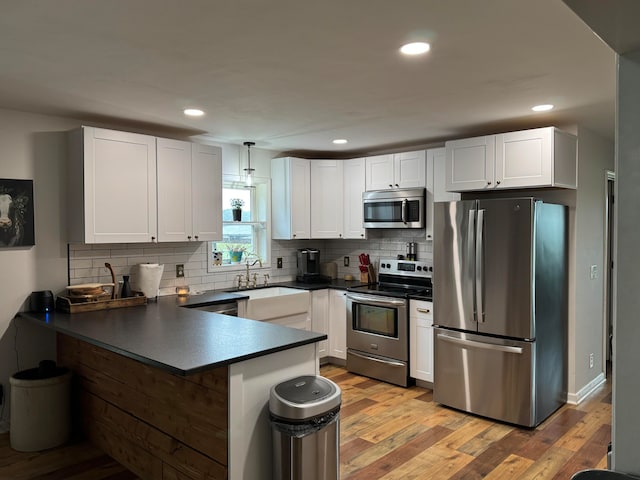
[{"x": 87, "y": 262}]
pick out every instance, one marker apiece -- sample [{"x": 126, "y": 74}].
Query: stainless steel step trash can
[
  {"x": 305, "y": 425},
  {"x": 596, "y": 474},
  {"x": 40, "y": 407}
]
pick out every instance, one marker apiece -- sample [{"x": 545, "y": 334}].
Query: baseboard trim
[{"x": 588, "y": 389}]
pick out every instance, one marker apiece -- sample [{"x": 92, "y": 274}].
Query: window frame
[{"x": 261, "y": 213}]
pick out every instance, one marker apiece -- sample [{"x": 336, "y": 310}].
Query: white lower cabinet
[
  {"x": 421, "y": 340},
  {"x": 320, "y": 318},
  {"x": 338, "y": 324}
]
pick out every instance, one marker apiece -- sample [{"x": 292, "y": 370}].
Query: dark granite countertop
[
  {"x": 337, "y": 284},
  {"x": 181, "y": 340}
]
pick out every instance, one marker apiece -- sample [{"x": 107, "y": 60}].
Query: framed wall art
[{"x": 16, "y": 213}]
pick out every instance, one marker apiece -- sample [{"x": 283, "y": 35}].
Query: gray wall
[{"x": 626, "y": 386}]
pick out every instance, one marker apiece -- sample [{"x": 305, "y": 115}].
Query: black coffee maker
[{"x": 308, "y": 265}]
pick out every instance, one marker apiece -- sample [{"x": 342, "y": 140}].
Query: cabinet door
[
  {"x": 320, "y": 318},
  {"x": 326, "y": 198},
  {"x": 174, "y": 190},
  {"x": 338, "y": 324},
  {"x": 354, "y": 186},
  {"x": 470, "y": 164},
  {"x": 524, "y": 159},
  {"x": 120, "y": 186},
  {"x": 300, "y": 188},
  {"x": 421, "y": 340},
  {"x": 380, "y": 172},
  {"x": 409, "y": 169},
  {"x": 436, "y": 191},
  {"x": 206, "y": 187}
]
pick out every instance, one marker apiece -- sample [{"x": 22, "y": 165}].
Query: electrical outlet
[
  {"x": 179, "y": 270},
  {"x": 279, "y": 262},
  {"x": 346, "y": 261},
  {"x": 591, "y": 360}
]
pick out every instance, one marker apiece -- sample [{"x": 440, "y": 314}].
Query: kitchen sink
[{"x": 275, "y": 302}]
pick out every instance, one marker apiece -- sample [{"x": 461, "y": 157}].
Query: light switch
[{"x": 594, "y": 272}]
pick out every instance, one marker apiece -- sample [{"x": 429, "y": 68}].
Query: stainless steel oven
[{"x": 378, "y": 320}]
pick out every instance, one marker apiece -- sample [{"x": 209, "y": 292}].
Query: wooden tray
[{"x": 68, "y": 305}]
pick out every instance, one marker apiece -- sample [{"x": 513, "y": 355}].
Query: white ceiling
[{"x": 292, "y": 75}]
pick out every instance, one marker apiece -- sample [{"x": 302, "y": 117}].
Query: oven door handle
[
  {"x": 386, "y": 362},
  {"x": 375, "y": 301}
]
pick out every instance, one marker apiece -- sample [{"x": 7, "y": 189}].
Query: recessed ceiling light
[
  {"x": 415, "y": 48},
  {"x": 542, "y": 108},
  {"x": 340, "y": 141},
  {"x": 193, "y": 112}
]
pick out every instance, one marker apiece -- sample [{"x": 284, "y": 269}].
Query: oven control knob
[
  {"x": 388, "y": 265},
  {"x": 419, "y": 268},
  {"x": 431, "y": 269}
]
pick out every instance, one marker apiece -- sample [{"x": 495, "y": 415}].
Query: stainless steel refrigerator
[{"x": 500, "y": 307}]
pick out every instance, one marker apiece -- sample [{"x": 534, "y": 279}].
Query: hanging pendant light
[{"x": 249, "y": 171}]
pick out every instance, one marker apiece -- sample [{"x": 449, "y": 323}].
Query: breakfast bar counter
[{"x": 172, "y": 392}]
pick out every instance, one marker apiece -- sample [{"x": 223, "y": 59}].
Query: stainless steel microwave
[{"x": 398, "y": 208}]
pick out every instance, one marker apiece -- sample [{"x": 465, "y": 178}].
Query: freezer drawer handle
[
  {"x": 423, "y": 310},
  {"x": 386, "y": 362},
  {"x": 486, "y": 346}
]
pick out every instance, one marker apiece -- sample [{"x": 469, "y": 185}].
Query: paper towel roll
[{"x": 147, "y": 278}]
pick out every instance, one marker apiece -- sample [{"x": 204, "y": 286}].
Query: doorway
[{"x": 609, "y": 288}]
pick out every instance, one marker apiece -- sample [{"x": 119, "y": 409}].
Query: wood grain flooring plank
[
  {"x": 512, "y": 467},
  {"x": 548, "y": 465},
  {"x": 376, "y": 467}
]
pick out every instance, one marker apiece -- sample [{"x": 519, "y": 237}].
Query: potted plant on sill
[
  {"x": 236, "y": 252},
  {"x": 236, "y": 208}
]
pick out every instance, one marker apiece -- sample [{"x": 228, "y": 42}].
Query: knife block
[{"x": 364, "y": 277}]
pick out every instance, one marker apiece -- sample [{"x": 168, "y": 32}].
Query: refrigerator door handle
[
  {"x": 480, "y": 266},
  {"x": 485, "y": 346},
  {"x": 470, "y": 252}
]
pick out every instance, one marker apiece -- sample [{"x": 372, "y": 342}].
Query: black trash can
[
  {"x": 305, "y": 426},
  {"x": 601, "y": 475},
  {"x": 40, "y": 407}
]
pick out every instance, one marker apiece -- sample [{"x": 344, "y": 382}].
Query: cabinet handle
[
  {"x": 340, "y": 235},
  {"x": 189, "y": 237},
  {"x": 196, "y": 237},
  {"x": 362, "y": 234},
  {"x": 423, "y": 310},
  {"x": 498, "y": 182},
  {"x": 397, "y": 185},
  {"x": 153, "y": 239},
  {"x": 294, "y": 235},
  {"x": 391, "y": 185},
  {"x": 488, "y": 183}
]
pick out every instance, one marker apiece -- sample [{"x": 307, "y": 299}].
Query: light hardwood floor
[{"x": 389, "y": 432}]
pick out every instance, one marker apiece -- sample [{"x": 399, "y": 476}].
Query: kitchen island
[{"x": 177, "y": 393}]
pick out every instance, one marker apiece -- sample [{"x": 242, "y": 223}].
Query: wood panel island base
[{"x": 208, "y": 425}]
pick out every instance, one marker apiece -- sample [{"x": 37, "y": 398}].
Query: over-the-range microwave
[{"x": 398, "y": 208}]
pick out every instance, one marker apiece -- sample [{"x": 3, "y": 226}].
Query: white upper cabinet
[
  {"x": 206, "y": 187},
  {"x": 326, "y": 198},
  {"x": 354, "y": 186},
  {"x": 189, "y": 191},
  {"x": 399, "y": 170},
  {"x": 137, "y": 189},
  {"x": 112, "y": 180},
  {"x": 541, "y": 157},
  {"x": 436, "y": 191},
  {"x": 291, "y": 198}
]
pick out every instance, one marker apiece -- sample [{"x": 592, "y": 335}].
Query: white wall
[
  {"x": 32, "y": 148},
  {"x": 626, "y": 336}
]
